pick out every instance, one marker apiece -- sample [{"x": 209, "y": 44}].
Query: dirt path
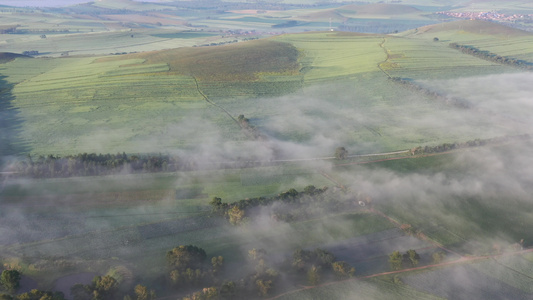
[
  {"x": 382, "y": 46},
  {"x": 444, "y": 264},
  {"x": 328, "y": 177},
  {"x": 396, "y": 158},
  {"x": 213, "y": 103}
]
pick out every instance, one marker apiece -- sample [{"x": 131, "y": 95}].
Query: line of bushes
[
  {"x": 411, "y": 85},
  {"x": 92, "y": 164},
  {"x": 472, "y": 143},
  {"x": 486, "y": 55},
  {"x": 290, "y": 205}
]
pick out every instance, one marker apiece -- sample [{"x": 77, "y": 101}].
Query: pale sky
[
  {"x": 51, "y": 3},
  {"x": 42, "y": 3}
]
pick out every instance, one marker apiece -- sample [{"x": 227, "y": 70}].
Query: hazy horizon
[{"x": 53, "y": 3}]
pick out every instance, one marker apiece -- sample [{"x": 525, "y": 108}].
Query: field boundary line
[
  {"x": 444, "y": 264},
  {"x": 511, "y": 268},
  {"x": 387, "y": 57},
  {"x": 420, "y": 234},
  {"x": 211, "y": 102}
]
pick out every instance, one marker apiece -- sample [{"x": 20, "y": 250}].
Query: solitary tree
[
  {"x": 413, "y": 257},
  {"x": 263, "y": 287},
  {"x": 340, "y": 153},
  {"x": 438, "y": 257},
  {"x": 395, "y": 260},
  {"x": 216, "y": 205},
  {"x": 217, "y": 263},
  {"x": 313, "y": 275},
  {"x": 236, "y": 215}
]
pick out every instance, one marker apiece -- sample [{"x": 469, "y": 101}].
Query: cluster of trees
[
  {"x": 293, "y": 205},
  {"x": 101, "y": 288},
  {"x": 188, "y": 268},
  {"x": 10, "y": 282},
  {"x": 108, "y": 288},
  {"x": 486, "y": 55},
  {"x": 250, "y": 130},
  {"x": 30, "y": 52},
  {"x": 468, "y": 144},
  {"x": 409, "y": 84},
  {"x": 319, "y": 264},
  {"x": 35, "y": 295},
  {"x": 397, "y": 261},
  {"x": 304, "y": 265},
  {"x": 189, "y": 271},
  {"x": 92, "y": 164},
  {"x": 410, "y": 258},
  {"x": 287, "y": 24}
]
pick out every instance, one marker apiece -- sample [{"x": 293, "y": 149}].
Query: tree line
[
  {"x": 486, "y": 55},
  {"x": 92, "y": 164},
  {"x": 411, "y": 85},
  {"x": 468, "y": 144},
  {"x": 101, "y": 288},
  {"x": 292, "y": 205}
]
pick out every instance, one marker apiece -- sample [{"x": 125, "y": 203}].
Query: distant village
[{"x": 489, "y": 16}]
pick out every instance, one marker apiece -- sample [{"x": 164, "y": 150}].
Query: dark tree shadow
[{"x": 10, "y": 123}]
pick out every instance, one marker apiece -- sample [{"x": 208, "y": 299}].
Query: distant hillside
[
  {"x": 473, "y": 26},
  {"x": 7, "y": 56},
  {"x": 381, "y": 9},
  {"x": 235, "y": 62},
  {"x": 325, "y": 16}
]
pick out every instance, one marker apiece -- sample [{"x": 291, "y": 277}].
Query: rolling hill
[
  {"x": 380, "y": 9},
  {"x": 113, "y": 103},
  {"x": 478, "y": 27}
]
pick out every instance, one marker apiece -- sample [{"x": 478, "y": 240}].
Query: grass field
[
  {"x": 309, "y": 93},
  {"x": 115, "y": 103},
  {"x": 361, "y": 289},
  {"x": 486, "y": 36},
  {"x": 462, "y": 282},
  {"x": 449, "y": 209}
]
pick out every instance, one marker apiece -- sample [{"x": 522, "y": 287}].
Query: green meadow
[
  {"x": 114, "y": 103},
  {"x": 147, "y": 90}
]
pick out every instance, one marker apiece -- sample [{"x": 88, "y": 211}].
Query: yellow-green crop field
[
  {"x": 336, "y": 55},
  {"x": 115, "y": 103}
]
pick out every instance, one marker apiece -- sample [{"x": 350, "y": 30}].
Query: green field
[
  {"x": 253, "y": 118},
  {"x": 112, "y": 104},
  {"x": 360, "y": 289},
  {"x": 447, "y": 207}
]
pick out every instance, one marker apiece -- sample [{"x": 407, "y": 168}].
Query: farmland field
[
  {"x": 471, "y": 219},
  {"x": 462, "y": 282},
  {"x": 109, "y": 104},
  {"x": 293, "y": 154},
  {"x": 361, "y": 289}
]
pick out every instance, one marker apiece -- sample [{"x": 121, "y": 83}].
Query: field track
[
  {"x": 211, "y": 102},
  {"x": 422, "y": 236},
  {"x": 382, "y": 46},
  {"x": 444, "y": 264}
]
